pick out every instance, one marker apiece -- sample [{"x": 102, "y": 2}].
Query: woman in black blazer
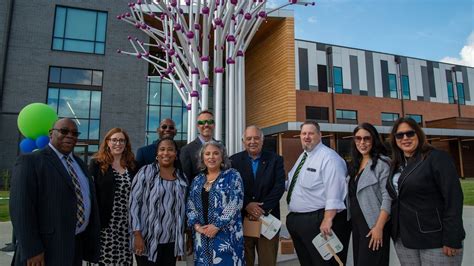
[
  {"x": 112, "y": 169},
  {"x": 427, "y": 204}
]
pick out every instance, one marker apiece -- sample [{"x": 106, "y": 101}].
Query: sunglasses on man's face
[
  {"x": 203, "y": 122},
  {"x": 66, "y": 131},
  {"x": 409, "y": 134},
  {"x": 165, "y": 127}
]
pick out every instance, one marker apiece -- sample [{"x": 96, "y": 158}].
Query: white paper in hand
[
  {"x": 270, "y": 226},
  {"x": 324, "y": 246}
]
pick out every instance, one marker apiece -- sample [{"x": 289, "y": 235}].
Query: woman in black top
[{"x": 427, "y": 201}]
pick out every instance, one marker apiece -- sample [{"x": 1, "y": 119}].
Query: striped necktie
[
  {"x": 77, "y": 188},
  {"x": 295, "y": 176}
]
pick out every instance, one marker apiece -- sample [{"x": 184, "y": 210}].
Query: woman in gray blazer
[{"x": 368, "y": 202}]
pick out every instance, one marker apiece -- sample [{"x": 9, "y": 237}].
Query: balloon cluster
[{"x": 34, "y": 122}]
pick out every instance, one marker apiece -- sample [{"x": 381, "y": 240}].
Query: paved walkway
[{"x": 290, "y": 260}]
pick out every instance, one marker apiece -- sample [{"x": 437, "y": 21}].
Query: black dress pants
[
  {"x": 165, "y": 256},
  {"x": 304, "y": 227},
  {"x": 360, "y": 244}
]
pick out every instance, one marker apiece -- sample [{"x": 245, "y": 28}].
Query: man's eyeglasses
[
  {"x": 165, "y": 127},
  {"x": 409, "y": 134},
  {"x": 118, "y": 141},
  {"x": 66, "y": 131},
  {"x": 359, "y": 139},
  {"x": 203, "y": 122}
]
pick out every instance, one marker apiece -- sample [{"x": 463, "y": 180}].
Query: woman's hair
[
  {"x": 176, "y": 162},
  {"x": 225, "y": 158},
  {"x": 375, "y": 152},
  {"x": 397, "y": 154},
  {"x": 105, "y": 158}
]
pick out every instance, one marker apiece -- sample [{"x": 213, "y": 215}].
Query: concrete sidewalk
[{"x": 289, "y": 260}]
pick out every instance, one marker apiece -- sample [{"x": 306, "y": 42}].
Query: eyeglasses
[
  {"x": 203, "y": 122},
  {"x": 66, "y": 131},
  {"x": 409, "y": 134},
  {"x": 359, "y": 139},
  {"x": 165, "y": 127},
  {"x": 118, "y": 141}
]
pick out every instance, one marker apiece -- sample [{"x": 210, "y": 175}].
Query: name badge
[{"x": 311, "y": 169}]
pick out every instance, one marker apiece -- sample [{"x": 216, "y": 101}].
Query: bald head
[
  {"x": 167, "y": 129},
  {"x": 63, "y": 136}
]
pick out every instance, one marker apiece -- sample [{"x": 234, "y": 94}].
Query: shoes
[{"x": 9, "y": 247}]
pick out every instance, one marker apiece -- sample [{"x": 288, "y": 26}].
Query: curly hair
[
  {"x": 105, "y": 158},
  {"x": 225, "y": 158}
]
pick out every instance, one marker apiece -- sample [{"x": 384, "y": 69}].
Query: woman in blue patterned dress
[{"x": 213, "y": 209}]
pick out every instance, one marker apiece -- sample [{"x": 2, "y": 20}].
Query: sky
[{"x": 438, "y": 30}]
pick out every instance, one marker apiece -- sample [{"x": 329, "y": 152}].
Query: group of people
[{"x": 152, "y": 205}]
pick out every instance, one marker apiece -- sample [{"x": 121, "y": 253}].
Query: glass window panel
[
  {"x": 153, "y": 117},
  {"x": 83, "y": 127},
  {"x": 94, "y": 127},
  {"x": 177, "y": 116},
  {"x": 95, "y": 104},
  {"x": 53, "y": 97},
  {"x": 76, "y": 76},
  {"x": 337, "y": 76},
  {"x": 59, "y": 22},
  {"x": 177, "y": 101},
  {"x": 166, "y": 93},
  {"x": 406, "y": 87},
  {"x": 350, "y": 115},
  {"x": 99, "y": 48},
  {"x": 57, "y": 44},
  {"x": 460, "y": 90},
  {"x": 74, "y": 103},
  {"x": 185, "y": 121},
  {"x": 338, "y": 114},
  {"x": 79, "y": 46},
  {"x": 154, "y": 98},
  {"x": 338, "y": 89},
  {"x": 80, "y": 151},
  {"x": 54, "y": 74},
  {"x": 417, "y": 118},
  {"x": 151, "y": 136},
  {"x": 392, "y": 84},
  {"x": 101, "y": 26},
  {"x": 81, "y": 24},
  {"x": 97, "y": 78},
  {"x": 165, "y": 112}
]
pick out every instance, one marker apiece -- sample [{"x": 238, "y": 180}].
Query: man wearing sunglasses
[
  {"x": 147, "y": 154},
  {"x": 53, "y": 204}
]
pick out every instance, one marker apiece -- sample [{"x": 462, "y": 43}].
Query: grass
[
  {"x": 4, "y": 210},
  {"x": 468, "y": 189}
]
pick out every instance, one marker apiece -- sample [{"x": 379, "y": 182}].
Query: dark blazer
[
  {"x": 269, "y": 184},
  {"x": 146, "y": 154},
  {"x": 189, "y": 158},
  {"x": 105, "y": 190},
  {"x": 427, "y": 212},
  {"x": 43, "y": 210}
]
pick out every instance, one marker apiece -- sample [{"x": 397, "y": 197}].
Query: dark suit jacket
[
  {"x": 427, "y": 212},
  {"x": 189, "y": 157},
  {"x": 268, "y": 185},
  {"x": 105, "y": 190},
  {"x": 146, "y": 155},
  {"x": 43, "y": 210}
]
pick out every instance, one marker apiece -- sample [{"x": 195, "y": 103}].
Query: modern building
[{"x": 63, "y": 53}]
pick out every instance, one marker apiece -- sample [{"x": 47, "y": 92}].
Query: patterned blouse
[{"x": 157, "y": 210}]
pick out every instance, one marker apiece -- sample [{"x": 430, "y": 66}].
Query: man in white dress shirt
[{"x": 316, "y": 190}]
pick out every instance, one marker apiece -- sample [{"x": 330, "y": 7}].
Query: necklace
[{"x": 207, "y": 186}]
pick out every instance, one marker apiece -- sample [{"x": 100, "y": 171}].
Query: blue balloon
[
  {"x": 27, "y": 145},
  {"x": 42, "y": 141}
]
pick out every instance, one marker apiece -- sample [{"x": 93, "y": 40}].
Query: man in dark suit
[
  {"x": 189, "y": 154},
  {"x": 53, "y": 205},
  {"x": 147, "y": 154},
  {"x": 264, "y": 183}
]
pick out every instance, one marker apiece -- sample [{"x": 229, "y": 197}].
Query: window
[
  {"x": 346, "y": 117},
  {"x": 76, "y": 93},
  {"x": 460, "y": 90},
  {"x": 450, "y": 92},
  {"x": 338, "y": 88},
  {"x": 405, "y": 87},
  {"x": 319, "y": 114},
  {"x": 392, "y": 85},
  {"x": 79, "y": 30},
  {"x": 417, "y": 118},
  {"x": 165, "y": 102},
  {"x": 389, "y": 118}
]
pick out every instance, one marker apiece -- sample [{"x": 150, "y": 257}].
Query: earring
[{"x": 156, "y": 158}]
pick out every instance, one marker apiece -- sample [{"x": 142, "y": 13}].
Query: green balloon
[{"x": 36, "y": 120}]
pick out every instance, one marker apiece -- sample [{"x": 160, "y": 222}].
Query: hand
[
  {"x": 37, "y": 260},
  {"x": 210, "y": 230},
  {"x": 376, "y": 240},
  {"x": 325, "y": 227},
  {"x": 139, "y": 243},
  {"x": 450, "y": 252},
  {"x": 254, "y": 209}
]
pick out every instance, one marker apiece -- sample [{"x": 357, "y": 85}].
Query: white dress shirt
[{"x": 321, "y": 182}]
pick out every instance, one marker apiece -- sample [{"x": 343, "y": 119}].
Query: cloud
[
  {"x": 312, "y": 20},
  {"x": 466, "y": 55},
  {"x": 272, "y": 4}
]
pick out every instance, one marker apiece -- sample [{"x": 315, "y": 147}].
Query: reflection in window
[
  {"x": 77, "y": 76},
  {"x": 418, "y": 118},
  {"x": 388, "y": 119},
  {"x": 319, "y": 114},
  {"x": 450, "y": 92},
  {"x": 79, "y": 30},
  {"x": 392, "y": 85},
  {"x": 338, "y": 86},
  {"x": 405, "y": 87},
  {"x": 346, "y": 116},
  {"x": 460, "y": 90}
]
